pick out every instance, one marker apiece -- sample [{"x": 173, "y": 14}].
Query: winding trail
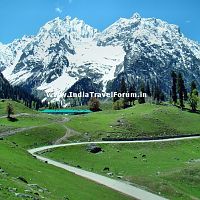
[
  {"x": 120, "y": 186},
  {"x": 18, "y": 130}
]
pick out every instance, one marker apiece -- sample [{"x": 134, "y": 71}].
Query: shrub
[
  {"x": 94, "y": 104},
  {"x": 118, "y": 105}
]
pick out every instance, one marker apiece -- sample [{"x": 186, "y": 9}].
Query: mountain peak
[
  {"x": 136, "y": 16},
  {"x": 74, "y": 27},
  {"x": 68, "y": 50},
  {"x": 68, "y": 18}
]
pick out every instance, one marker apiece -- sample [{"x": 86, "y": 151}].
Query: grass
[
  {"x": 18, "y": 107},
  {"x": 171, "y": 169},
  {"x": 166, "y": 170},
  {"x": 52, "y": 183},
  {"x": 103, "y": 106},
  {"x": 39, "y": 136},
  {"x": 138, "y": 121},
  {"x": 27, "y": 118},
  {"x": 58, "y": 183}
]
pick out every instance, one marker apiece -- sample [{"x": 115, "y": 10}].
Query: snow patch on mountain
[
  {"x": 88, "y": 58},
  {"x": 67, "y": 50}
]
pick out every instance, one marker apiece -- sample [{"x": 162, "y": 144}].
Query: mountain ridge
[{"x": 65, "y": 51}]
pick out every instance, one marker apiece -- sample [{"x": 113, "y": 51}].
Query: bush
[
  {"x": 118, "y": 105},
  {"x": 193, "y": 100},
  {"x": 94, "y": 104},
  {"x": 9, "y": 110}
]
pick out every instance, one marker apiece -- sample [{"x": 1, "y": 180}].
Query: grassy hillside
[
  {"x": 18, "y": 107},
  {"x": 138, "y": 121},
  {"x": 171, "y": 169},
  {"x": 51, "y": 182},
  {"x": 165, "y": 169}
]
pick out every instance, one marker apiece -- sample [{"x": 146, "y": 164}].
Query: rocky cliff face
[{"x": 66, "y": 51}]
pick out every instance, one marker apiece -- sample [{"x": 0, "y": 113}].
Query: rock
[
  {"x": 41, "y": 190},
  {"x": 78, "y": 166},
  {"x": 1, "y": 170},
  {"x": 106, "y": 169},
  {"x": 33, "y": 185},
  {"x": 36, "y": 186},
  {"x": 1, "y": 138},
  {"x": 21, "y": 195},
  {"x": 14, "y": 143},
  {"x": 157, "y": 173},
  {"x": 22, "y": 179},
  {"x": 12, "y": 189},
  {"x": 28, "y": 191},
  {"x": 92, "y": 148},
  {"x": 119, "y": 177},
  {"x": 135, "y": 157},
  {"x": 110, "y": 174},
  {"x": 36, "y": 193},
  {"x": 144, "y": 156}
]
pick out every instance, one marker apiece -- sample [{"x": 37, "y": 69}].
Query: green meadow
[{"x": 170, "y": 169}]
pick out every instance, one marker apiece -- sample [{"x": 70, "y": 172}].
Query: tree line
[
  {"x": 17, "y": 93},
  {"x": 179, "y": 93}
]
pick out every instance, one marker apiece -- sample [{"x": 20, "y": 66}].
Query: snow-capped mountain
[{"x": 66, "y": 51}]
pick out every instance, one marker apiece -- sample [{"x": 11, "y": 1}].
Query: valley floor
[{"x": 170, "y": 169}]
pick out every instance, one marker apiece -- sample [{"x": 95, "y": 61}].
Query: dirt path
[
  {"x": 13, "y": 132},
  {"x": 65, "y": 137},
  {"x": 17, "y": 115},
  {"x": 69, "y": 133}
]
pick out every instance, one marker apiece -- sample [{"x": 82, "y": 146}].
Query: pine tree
[
  {"x": 181, "y": 88},
  {"x": 158, "y": 95},
  {"x": 123, "y": 89},
  {"x": 185, "y": 94},
  {"x": 141, "y": 100},
  {"x": 193, "y": 87},
  {"x": 193, "y": 100},
  {"x": 148, "y": 91},
  {"x": 10, "y": 110},
  {"x": 174, "y": 82},
  {"x": 132, "y": 91}
]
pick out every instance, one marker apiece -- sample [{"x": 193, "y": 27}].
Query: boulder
[
  {"x": 22, "y": 179},
  {"x": 21, "y": 195},
  {"x": 106, "y": 169},
  {"x": 92, "y": 148}
]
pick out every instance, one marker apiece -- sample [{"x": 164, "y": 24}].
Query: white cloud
[{"x": 59, "y": 10}]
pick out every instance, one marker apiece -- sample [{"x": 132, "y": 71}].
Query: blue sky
[{"x": 25, "y": 17}]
